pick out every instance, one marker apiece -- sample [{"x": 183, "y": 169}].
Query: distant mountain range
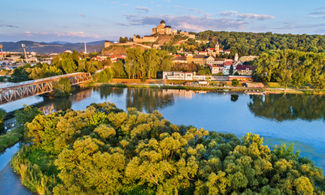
[{"x": 51, "y": 47}]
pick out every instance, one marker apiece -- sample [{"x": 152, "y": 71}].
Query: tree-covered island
[{"x": 104, "y": 150}]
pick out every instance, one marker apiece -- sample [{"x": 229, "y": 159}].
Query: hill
[
  {"x": 51, "y": 47},
  {"x": 248, "y": 43}
]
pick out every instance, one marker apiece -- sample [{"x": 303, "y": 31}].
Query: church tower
[
  {"x": 236, "y": 57},
  {"x": 217, "y": 48}
]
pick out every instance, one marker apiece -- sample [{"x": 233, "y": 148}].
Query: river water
[{"x": 280, "y": 119}]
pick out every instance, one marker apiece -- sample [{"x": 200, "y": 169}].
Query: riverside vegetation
[
  {"x": 13, "y": 136},
  {"x": 104, "y": 150}
]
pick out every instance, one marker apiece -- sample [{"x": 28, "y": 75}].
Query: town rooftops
[
  {"x": 180, "y": 58},
  {"x": 228, "y": 63},
  {"x": 219, "y": 59},
  {"x": 200, "y": 56}
]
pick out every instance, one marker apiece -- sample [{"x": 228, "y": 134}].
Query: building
[
  {"x": 244, "y": 69},
  {"x": 199, "y": 59},
  {"x": 162, "y": 29},
  {"x": 177, "y": 75},
  {"x": 180, "y": 59},
  {"x": 107, "y": 44},
  {"x": 144, "y": 39},
  {"x": 216, "y": 69},
  {"x": 114, "y": 58}
]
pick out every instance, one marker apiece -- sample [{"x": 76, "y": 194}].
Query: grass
[{"x": 10, "y": 139}]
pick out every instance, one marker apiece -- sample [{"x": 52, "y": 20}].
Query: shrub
[{"x": 234, "y": 82}]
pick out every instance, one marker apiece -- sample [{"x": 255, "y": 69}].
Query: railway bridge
[{"x": 21, "y": 90}]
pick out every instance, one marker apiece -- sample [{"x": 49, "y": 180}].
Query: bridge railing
[{"x": 39, "y": 86}]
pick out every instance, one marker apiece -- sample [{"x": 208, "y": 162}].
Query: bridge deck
[{"x": 20, "y": 90}]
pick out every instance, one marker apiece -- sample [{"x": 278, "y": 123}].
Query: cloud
[
  {"x": 8, "y": 26},
  {"x": 318, "y": 13},
  {"x": 62, "y": 34},
  {"x": 255, "y": 16},
  {"x": 188, "y": 23},
  {"x": 246, "y": 16},
  {"x": 143, "y": 9},
  {"x": 229, "y": 13}
]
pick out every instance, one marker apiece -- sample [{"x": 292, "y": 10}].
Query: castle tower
[
  {"x": 162, "y": 23},
  {"x": 107, "y": 44}
]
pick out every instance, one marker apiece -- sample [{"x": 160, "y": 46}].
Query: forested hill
[
  {"x": 246, "y": 43},
  {"x": 51, "y": 47}
]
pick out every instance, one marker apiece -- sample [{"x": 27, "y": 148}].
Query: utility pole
[
  {"x": 1, "y": 48},
  {"x": 24, "y": 48}
]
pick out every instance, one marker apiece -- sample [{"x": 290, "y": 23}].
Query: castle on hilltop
[{"x": 162, "y": 29}]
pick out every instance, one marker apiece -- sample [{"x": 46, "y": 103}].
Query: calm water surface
[{"x": 280, "y": 119}]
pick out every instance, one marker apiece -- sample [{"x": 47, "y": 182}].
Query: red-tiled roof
[{"x": 228, "y": 63}]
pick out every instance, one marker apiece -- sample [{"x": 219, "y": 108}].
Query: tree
[
  {"x": 2, "y": 116},
  {"x": 231, "y": 70},
  {"x": 104, "y": 150},
  {"x": 234, "y": 82},
  {"x": 118, "y": 69},
  {"x": 62, "y": 87},
  {"x": 104, "y": 76},
  {"x": 20, "y": 74}
]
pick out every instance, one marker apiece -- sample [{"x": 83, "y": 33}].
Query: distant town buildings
[{"x": 192, "y": 76}]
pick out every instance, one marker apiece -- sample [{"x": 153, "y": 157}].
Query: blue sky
[{"x": 79, "y": 20}]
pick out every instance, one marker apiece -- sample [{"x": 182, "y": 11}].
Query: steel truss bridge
[{"x": 21, "y": 90}]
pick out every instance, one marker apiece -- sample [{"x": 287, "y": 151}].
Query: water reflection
[
  {"x": 106, "y": 91},
  {"x": 148, "y": 100},
  {"x": 234, "y": 97},
  {"x": 288, "y": 107}
]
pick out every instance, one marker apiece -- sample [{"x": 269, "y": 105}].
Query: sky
[{"x": 85, "y": 20}]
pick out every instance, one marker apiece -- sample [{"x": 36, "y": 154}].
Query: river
[{"x": 280, "y": 119}]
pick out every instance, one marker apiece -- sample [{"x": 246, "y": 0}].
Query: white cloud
[
  {"x": 188, "y": 23},
  {"x": 245, "y": 16},
  {"x": 255, "y": 16},
  {"x": 143, "y": 9},
  {"x": 229, "y": 13},
  {"x": 62, "y": 34}
]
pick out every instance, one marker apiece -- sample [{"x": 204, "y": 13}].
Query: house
[
  {"x": 199, "y": 59},
  {"x": 210, "y": 60},
  {"x": 204, "y": 53},
  {"x": 177, "y": 75},
  {"x": 227, "y": 66},
  {"x": 219, "y": 61},
  {"x": 244, "y": 69},
  {"x": 180, "y": 60},
  {"x": 114, "y": 58},
  {"x": 215, "y": 69}
]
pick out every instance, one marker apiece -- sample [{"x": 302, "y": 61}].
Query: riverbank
[
  {"x": 247, "y": 90},
  {"x": 10, "y": 138}
]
